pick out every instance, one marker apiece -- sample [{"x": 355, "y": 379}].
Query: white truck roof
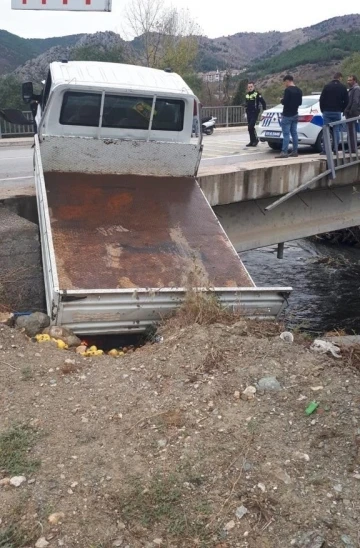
[{"x": 131, "y": 77}]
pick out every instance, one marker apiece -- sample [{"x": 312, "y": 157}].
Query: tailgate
[{"x": 126, "y": 231}]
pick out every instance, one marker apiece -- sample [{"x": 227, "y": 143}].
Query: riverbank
[{"x": 162, "y": 448}]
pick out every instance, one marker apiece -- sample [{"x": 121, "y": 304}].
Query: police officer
[{"x": 253, "y": 101}]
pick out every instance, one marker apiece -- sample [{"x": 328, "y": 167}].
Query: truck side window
[
  {"x": 122, "y": 111},
  {"x": 80, "y": 109}
]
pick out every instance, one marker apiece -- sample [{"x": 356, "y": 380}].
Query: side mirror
[{"x": 27, "y": 92}]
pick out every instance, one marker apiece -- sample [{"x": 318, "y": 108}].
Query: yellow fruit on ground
[
  {"x": 61, "y": 345},
  {"x": 121, "y": 353},
  {"x": 93, "y": 348},
  {"x": 113, "y": 353},
  {"x": 99, "y": 352}
]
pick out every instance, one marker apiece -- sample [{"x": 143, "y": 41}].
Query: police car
[{"x": 310, "y": 124}]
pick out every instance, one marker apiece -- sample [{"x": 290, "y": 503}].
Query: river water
[{"x": 325, "y": 281}]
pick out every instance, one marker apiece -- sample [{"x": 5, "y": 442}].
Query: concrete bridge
[{"x": 240, "y": 194}]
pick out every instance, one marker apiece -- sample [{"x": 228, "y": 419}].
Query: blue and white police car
[{"x": 309, "y": 126}]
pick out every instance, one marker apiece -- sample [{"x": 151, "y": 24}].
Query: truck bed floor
[{"x": 119, "y": 231}]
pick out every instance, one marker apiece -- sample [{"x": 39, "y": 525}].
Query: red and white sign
[{"x": 62, "y": 5}]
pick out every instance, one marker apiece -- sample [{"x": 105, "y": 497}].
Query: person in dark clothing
[
  {"x": 291, "y": 101},
  {"x": 333, "y": 102},
  {"x": 353, "y": 110},
  {"x": 253, "y": 101}
]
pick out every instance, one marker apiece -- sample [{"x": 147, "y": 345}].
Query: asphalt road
[
  {"x": 221, "y": 148},
  {"x": 16, "y": 171}
]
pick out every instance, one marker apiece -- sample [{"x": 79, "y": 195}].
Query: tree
[
  {"x": 239, "y": 97},
  {"x": 114, "y": 54},
  {"x": 164, "y": 37},
  {"x": 351, "y": 65},
  {"x": 10, "y": 93}
]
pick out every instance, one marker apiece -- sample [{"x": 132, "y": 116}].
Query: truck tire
[{"x": 275, "y": 146}]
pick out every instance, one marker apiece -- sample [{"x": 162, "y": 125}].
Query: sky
[{"x": 216, "y": 18}]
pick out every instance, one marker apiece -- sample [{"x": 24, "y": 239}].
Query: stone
[
  {"x": 33, "y": 323},
  {"x": 287, "y": 337},
  {"x": 347, "y": 541},
  {"x": 311, "y": 540},
  {"x": 269, "y": 384},
  {"x": 338, "y": 488},
  {"x": 117, "y": 542},
  {"x": 230, "y": 525},
  {"x": 158, "y": 541},
  {"x": 16, "y": 481},
  {"x": 63, "y": 334},
  {"x": 249, "y": 393},
  {"x": 162, "y": 443},
  {"x": 56, "y": 518},
  {"x": 262, "y": 487},
  {"x": 4, "y": 482},
  {"x": 282, "y": 475},
  {"x": 41, "y": 543},
  {"x": 241, "y": 511},
  {"x": 81, "y": 349},
  {"x": 301, "y": 456}
]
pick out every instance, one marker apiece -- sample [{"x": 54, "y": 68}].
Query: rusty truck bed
[{"x": 119, "y": 231}]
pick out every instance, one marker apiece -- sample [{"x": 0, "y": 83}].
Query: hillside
[
  {"x": 310, "y": 44},
  {"x": 332, "y": 47},
  {"x": 15, "y": 51}
]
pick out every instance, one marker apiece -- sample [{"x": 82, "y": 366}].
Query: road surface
[{"x": 221, "y": 148}]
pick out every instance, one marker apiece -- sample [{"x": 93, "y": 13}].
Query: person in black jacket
[
  {"x": 253, "y": 101},
  {"x": 333, "y": 102},
  {"x": 291, "y": 101}
]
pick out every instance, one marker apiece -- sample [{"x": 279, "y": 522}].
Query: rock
[
  {"x": 249, "y": 393},
  {"x": 33, "y": 324},
  {"x": 338, "y": 488},
  {"x": 237, "y": 394},
  {"x": 63, "y": 334},
  {"x": 241, "y": 511},
  {"x": 117, "y": 542},
  {"x": 72, "y": 341},
  {"x": 347, "y": 541},
  {"x": 7, "y": 318},
  {"x": 286, "y": 336},
  {"x": 56, "y": 518},
  {"x": 282, "y": 475},
  {"x": 16, "y": 481},
  {"x": 230, "y": 525},
  {"x": 69, "y": 361},
  {"x": 311, "y": 540},
  {"x": 41, "y": 543},
  {"x": 269, "y": 384},
  {"x": 262, "y": 487},
  {"x": 162, "y": 443},
  {"x": 301, "y": 456},
  {"x": 158, "y": 541},
  {"x": 4, "y": 482},
  {"x": 323, "y": 347},
  {"x": 80, "y": 349}
]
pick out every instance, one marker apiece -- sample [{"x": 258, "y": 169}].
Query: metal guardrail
[
  {"x": 15, "y": 130},
  {"x": 341, "y": 144},
  {"x": 340, "y": 140},
  {"x": 226, "y": 116}
]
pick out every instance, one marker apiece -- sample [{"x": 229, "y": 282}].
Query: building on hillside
[{"x": 219, "y": 75}]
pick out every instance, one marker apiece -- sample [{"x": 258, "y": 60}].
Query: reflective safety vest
[{"x": 253, "y": 101}]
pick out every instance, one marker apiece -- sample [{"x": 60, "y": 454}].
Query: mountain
[
  {"x": 263, "y": 54},
  {"x": 15, "y": 51}
]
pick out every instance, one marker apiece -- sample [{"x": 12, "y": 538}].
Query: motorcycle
[{"x": 208, "y": 125}]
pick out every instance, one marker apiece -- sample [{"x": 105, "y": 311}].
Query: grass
[
  {"x": 27, "y": 373},
  {"x": 14, "y": 536},
  {"x": 167, "y": 504},
  {"x": 14, "y": 446}
]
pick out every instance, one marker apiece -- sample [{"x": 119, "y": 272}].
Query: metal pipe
[
  {"x": 101, "y": 113},
  {"x": 280, "y": 250}
]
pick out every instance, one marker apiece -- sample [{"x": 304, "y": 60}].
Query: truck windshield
[{"x": 122, "y": 111}]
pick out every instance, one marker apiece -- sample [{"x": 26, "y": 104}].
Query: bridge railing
[
  {"x": 341, "y": 144},
  {"x": 16, "y": 130},
  {"x": 226, "y": 116}
]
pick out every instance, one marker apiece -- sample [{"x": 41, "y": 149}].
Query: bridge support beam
[{"x": 311, "y": 212}]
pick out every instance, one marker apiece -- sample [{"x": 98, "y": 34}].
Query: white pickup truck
[{"x": 125, "y": 228}]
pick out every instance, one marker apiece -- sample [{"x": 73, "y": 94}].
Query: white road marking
[{"x": 15, "y": 178}]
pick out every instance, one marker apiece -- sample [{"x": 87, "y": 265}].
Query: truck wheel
[{"x": 275, "y": 146}]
